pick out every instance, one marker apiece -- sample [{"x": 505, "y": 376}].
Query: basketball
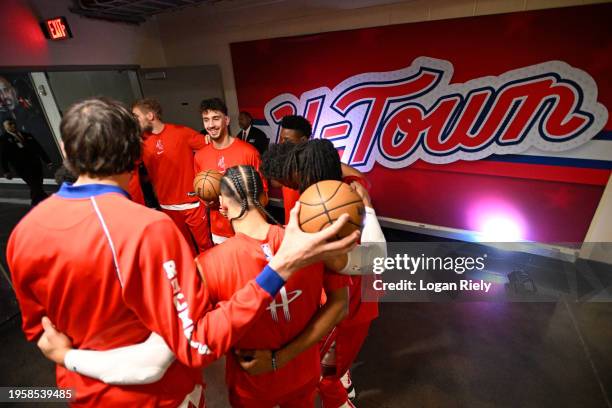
[
  {"x": 325, "y": 201},
  {"x": 207, "y": 185}
]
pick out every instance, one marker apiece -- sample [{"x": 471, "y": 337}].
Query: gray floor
[{"x": 418, "y": 354}]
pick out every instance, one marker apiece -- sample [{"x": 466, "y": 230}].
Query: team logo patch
[{"x": 286, "y": 299}]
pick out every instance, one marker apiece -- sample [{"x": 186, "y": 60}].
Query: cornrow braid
[
  {"x": 257, "y": 189},
  {"x": 233, "y": 173},
  {"x": 244, "y": 184},
  {"x": 303, "y": 164}
]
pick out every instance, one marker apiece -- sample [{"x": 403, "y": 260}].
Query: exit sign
[{"x": 56, "y": 28}]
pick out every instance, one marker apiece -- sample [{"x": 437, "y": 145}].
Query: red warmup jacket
[{"x": 107, "y": 272}]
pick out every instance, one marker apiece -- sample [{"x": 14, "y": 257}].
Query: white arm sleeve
[
  {"x": 373, "y": 245},
  {"x": 142, "y": 363}
]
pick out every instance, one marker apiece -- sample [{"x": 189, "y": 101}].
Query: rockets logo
[
  {"x": 221, "y": 163},
  {"x": 159, "y": 146},
  {"x": 286, "y": 299},
  {"x": 394, "y": 118}
]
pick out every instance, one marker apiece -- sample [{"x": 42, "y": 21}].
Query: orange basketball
[
  {"x": 207, "y": 185},
  {"x": 325, "y": 201}
]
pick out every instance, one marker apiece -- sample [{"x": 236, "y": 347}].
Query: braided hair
[
  {"x": 243, "y": 184},
  {"x": 301, "y": 165}
]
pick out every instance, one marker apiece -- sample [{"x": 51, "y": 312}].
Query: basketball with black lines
[
  {"x": 325, "y": 201},
  {"x": 207, "y": 185}
]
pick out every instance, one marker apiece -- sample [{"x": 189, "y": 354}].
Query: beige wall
[{"x": 95, "y": 42}]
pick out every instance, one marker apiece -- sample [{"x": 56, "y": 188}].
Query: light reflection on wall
[{"x": 495, "y": 220}]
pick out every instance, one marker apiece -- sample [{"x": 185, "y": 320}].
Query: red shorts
[{"x": 194, "y": 226}]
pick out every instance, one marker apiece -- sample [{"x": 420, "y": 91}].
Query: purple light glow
[{"x": 495, "y": 220}]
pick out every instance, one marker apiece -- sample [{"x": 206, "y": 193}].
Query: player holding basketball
[
  {"x": 292, "y": 372},
  {"x": 298, "y": 166},
  {"x": 168, "y": 158},
  {"x": 223, "y": 152},
  {"x": 108, "y": 271},
  {"x": 297, "y": 129}
]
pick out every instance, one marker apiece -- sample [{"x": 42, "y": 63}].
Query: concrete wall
[{"x": 95, "y": 42}]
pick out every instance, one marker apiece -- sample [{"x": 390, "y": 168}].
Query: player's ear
[
  {"x": 62, "y": 149},
  {"x": 223, "y": 204},
  {"x": 263, "y": 198},
  {"x": 227, "y": 120}
]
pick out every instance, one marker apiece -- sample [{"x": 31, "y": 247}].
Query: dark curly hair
[
  {"x": 101, "y": 138},
  {"x": 297, "y": 123},
  {"x": 213, "y": 104},
  {"x": 300, "y": 165}
]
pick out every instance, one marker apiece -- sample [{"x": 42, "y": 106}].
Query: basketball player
[
  {"x": 223, "y": 152},
  {"x": 298, "y": 166},
  {"x": 168, "y": 158},
  {"x": 297, "y": 129},
  {"x": 291, "y": 374},
  {"x": 108, "y": 271}
]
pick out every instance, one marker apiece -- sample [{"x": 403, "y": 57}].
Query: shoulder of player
[
  {"x": 156, "y": 223},
  {"x": 246, "y": 147},
  {"x": 275, "y": 236},
  {"x": 214, "y": 259},
  {"x": 174, "y": 128}
]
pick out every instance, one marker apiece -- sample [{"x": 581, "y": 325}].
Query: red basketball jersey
[
  {"x": 226, "y": 268},
  {"x": 168, "y": 157},
  {"x": 210, "y": 158}
]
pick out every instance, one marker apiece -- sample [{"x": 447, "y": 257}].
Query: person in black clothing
[
  {"x": 251, "y": 134},
  {"x": 21, "y": 154}
]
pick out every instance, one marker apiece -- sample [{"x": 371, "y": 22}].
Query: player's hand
[
  {"x": 362, "y": 193},
  {"x": 213, "y": 205},
  {"x": 300, "y": 249},
  {"x": 255, "y": 362},
  {"x": 53, "y": 344}
]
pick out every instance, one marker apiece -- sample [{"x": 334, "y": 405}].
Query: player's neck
[
  {"x": 158, "y": 127},
  {"x": 119, "y": 180},
  {"x": 223, "y": 141},
  {"x": 252, "y": 224}
]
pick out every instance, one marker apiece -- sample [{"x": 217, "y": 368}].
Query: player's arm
[
  {"x": 142, "y": 363},
  {"x": 168, "y": 296},
  {"x": 360, "y": 260},
  {"x": 195, "y": 140},
  {"x": 327, "y": 317}
]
